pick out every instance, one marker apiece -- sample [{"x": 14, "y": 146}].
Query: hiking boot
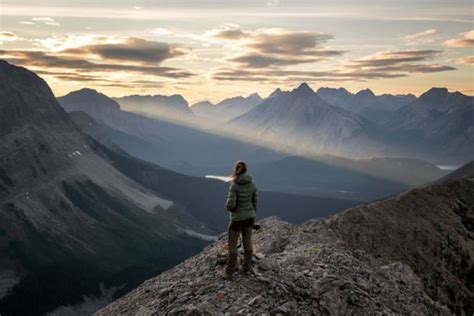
[
  {"x": 226, "y": 276},
  {"x": 247, "y": 272}
]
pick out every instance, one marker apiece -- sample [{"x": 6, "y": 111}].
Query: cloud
[
  {"x": 257, "y": 60},
  {"x": 468, "y": 60},
  {"x": 287, "y": 43},
  {"x": 466, "y": 40},
  {"x": 45, "y": 60},
  {"x": 131, "y": 49},
  {"x": 382, "y": 65},
  {"x": 100, "y": 58},
  {"x": 7, "y": 37},
  {"x": 46, "y": 20},
  {"x": 227, "y": 32},
  {"x": 161, "y": 31},
  {"x": 424, "y": 37},
  {"x": 393, "y": 58},
  {"x": 275, "y": 47}
]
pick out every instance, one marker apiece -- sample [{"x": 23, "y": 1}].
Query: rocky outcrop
[
  {"x": 408, "y": 255},
  {"x": 304, "y": 270}
]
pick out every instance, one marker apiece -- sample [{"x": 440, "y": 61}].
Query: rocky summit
[
  {"x": 325, "y": 267},
  {"x": 297, "y": 269}
]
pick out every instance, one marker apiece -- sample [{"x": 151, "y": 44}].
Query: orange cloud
[{"x": 466, "y": 40}]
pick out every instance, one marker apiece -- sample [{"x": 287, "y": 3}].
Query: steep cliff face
[{"x": 410, "y": 254}]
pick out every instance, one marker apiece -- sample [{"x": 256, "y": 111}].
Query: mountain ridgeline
[
  {"x": 437, "y": 126},
  {"x": 199, "y": 152},
  {"x": 227, "y": 109}
]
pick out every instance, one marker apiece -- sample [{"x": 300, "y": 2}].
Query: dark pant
[{"x": 235, "y": 229}]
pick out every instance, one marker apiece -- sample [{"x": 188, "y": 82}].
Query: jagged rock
[{"x": 331, "y": 280}]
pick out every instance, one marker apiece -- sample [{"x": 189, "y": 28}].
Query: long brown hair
[{"x": 240, "y": 167}]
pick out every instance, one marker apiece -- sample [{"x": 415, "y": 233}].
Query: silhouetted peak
[
  {"x": 203, "y": 103},
  {"x": 254, "y": 96},
  {"x": 327, "y": 89},
  {"x": 274, "y": 93},
  {"x": 365, "y": 93},
  {"x": 86, "y": 92},
  {"x": 86, "y": 96},
  {"x": 434, "y": 94},
  {"x": 304, "y": 88}
]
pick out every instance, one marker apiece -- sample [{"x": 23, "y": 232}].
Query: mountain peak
[
  {"x": 340, "y": 89},
  {"x": 203, "y": 104},
  {"x": 255, "y": 96},
  {"x": 88, "y": 100},
  {"x": 365, "y": 93},
  {"x": 275, "y": 92},
  {"x": 86, "y": 90},
  {"x": 304, "y": 88},
  {"x": 434, "y": 92}
]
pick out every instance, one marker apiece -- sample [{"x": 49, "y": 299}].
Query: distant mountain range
[
  {"x": 440, "y": 122},
  {"x": 301, "y": 118},
  {"x": 197, "y": 152},
  {"x": 365, "y": 102},
  {"x": 185, "y": 148},
  {"x": 227, "y": 109},
  {"x": 437, "y": 126}
]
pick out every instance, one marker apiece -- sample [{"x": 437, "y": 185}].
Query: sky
[{"x": 209, "y": 50}]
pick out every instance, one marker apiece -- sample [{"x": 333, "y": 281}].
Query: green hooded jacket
[{"x": 242, "y": 198}]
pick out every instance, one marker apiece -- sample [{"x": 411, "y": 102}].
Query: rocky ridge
[
  {"x": 303, "y": 269},
  {"x": 407, "y": 255}
]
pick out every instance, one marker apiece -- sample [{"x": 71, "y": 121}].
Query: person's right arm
[{"x": 255, "y": 199}]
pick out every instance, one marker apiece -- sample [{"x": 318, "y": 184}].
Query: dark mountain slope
[
  {"x": 431, "y": 229},
  {"x": 63, "y": 207},
  {"x": 407, "y": 255}
]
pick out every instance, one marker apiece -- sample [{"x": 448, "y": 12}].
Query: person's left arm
[{"x": 231, "y": 203}]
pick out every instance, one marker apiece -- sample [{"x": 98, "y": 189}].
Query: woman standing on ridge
[{"x": 242, "y": 205}]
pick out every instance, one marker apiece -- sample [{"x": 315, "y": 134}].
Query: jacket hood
[{"x": 243, "y": 179}]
